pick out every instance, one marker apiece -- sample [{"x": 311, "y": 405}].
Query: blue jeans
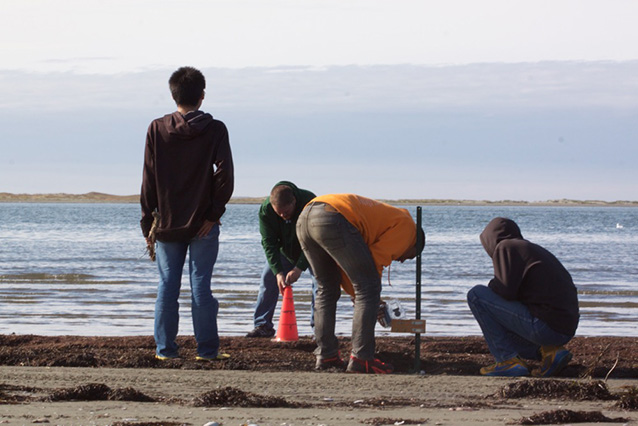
[
  {"x": 170, "y": 262},
  {"x": 509, "y": 328},
  {"x": 269, "y": 295},
  {"x": 331, "y": 244}
]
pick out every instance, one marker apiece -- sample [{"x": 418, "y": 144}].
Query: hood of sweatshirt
[
  {"x": 497, "y": 230},
  {"x": 187, "y": 126}
]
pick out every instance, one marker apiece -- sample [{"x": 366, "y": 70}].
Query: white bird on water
[{"x": 619, "y": 226}]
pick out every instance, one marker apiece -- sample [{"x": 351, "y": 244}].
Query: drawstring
[{"x": 389, "y": 283}]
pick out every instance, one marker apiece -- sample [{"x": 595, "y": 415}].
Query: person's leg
[
  {"x": 328, "y": 278},
  {"x": 506, "y": 324},
  {"x": 170, "y": 263},
  {"x": 266, "y": 300},
  {"x": 203, "y": 254},
  {"x": 509, "y": 327},
  {"x": 343, "y": 244},
  {"x": 355, "y": 259}
]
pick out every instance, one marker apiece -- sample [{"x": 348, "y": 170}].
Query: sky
[{"x": 416, "y": 99}]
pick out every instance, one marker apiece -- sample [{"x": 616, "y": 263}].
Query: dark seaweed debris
[
  {"x": 557, "y": 417},
  {"x": 548, "y": 388},
  {"x": 628, "y": 400},
  {"x": 11, "y": 394},
  {"x": 593, "y": 356},
  {"x": 233, "y": 397},
  {"x": 98, "y": 392}
]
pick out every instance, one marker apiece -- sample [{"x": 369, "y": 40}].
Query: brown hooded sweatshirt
[
  {"x": 188, "y": 174},
  {"x": 528, "y": 273}
]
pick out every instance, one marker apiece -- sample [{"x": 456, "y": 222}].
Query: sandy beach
[
  {"x": 331, "y": 398},
  {"x": 70, "y": 380}
]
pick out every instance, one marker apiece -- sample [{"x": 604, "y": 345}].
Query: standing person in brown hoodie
[
  {"x": 187, "y": 179},
  {"x": 529, "y": 309}
]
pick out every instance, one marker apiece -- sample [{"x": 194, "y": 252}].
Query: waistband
[{"x": 326, "y": 207}]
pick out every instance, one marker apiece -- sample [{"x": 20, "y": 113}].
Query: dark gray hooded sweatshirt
[
  {"x": 188, "y": 174},
  {"x": 530, "y": 274}
]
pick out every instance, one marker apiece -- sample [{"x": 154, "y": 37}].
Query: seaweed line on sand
[
  {"x": 556, "y": 417},
  {"x": 233, "y": 397},
  {"x": 551, "y": 388}
]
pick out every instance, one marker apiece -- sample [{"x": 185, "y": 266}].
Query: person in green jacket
[{"x": 285, "y": 259}]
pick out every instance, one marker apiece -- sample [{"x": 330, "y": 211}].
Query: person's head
[
  {"x": 499, "y": 229},
  {"x": 283, "y": 201},
  {"x": 187, "y": 86},
  {"x": 417, "y": 248}
]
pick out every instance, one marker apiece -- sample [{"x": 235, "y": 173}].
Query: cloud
[
  {"x": 481, "y": 131},
  {"x": 239, "y": 33},
  {"x": 487, "y": 87}
]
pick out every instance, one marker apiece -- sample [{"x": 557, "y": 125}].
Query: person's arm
[
  {"x": 223, "y": 177},
  {"x": 270, "y": 240},
  {"x": 508, "y": 272},
  {"x": 205, "y": 228},
  {"x": 292, "y": 276},
  {"x": 148, "y": 193},
  {"x": 346, "y": 285},
  {"x": 302, "y": 262}
]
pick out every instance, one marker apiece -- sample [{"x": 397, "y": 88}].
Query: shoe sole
[
  {"x": 219, "y": 357},
  {"x": 560, "y": 366},
  {"x": 166, "y": 358},
  {"x": 261, "y": 336},
  {"x": 374, "y": 370},
  {"x": 512, "y": 372}
]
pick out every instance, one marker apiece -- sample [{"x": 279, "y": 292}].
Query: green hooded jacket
[{"x": 279, "y": 235}]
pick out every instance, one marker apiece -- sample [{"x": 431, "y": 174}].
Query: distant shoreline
[{"x": 98, "y": 197}]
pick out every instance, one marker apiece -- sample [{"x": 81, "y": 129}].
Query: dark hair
[
  {"x": 187, "y": 85},
  {"x": 420, "y": 241},
  {"x": 282, "y": 195}
]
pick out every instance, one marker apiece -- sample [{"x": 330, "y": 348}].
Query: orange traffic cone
[{"x": 287, "y": 328}]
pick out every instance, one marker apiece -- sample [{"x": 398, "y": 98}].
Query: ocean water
[{"x": 81, "y": 269}]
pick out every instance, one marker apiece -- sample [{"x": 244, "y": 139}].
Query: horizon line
[{"x": 100, "y": 197}]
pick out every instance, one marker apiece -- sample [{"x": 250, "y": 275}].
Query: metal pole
[{"x": 417, "y": 337}]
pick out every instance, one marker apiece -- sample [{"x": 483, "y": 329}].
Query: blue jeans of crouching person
[{"x": 508, "y": 326}]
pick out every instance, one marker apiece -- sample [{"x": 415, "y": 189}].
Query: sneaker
[
  {"x": 555, "y": 358},
  {"x": 218, "y": 357},
  {"x": 332, "y": 362},
  {"x": 513, "y": 367},
  {"x": 261, "y": 331},
  {"x": 166, "y": 358},
  {"x": 362, "y": 366}
]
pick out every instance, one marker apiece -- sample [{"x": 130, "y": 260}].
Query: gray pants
[{"x": 330, "y": 244}]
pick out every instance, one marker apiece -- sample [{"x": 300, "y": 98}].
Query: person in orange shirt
[{"x": 348, "y": 240}]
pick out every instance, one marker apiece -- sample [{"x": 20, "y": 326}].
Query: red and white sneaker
[{"x": 362, "y": 366}]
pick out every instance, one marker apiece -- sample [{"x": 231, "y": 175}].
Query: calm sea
[{"x": 81, "y": 269}]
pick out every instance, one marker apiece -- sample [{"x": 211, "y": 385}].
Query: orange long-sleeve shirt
[{"x": 387, "y": 230}]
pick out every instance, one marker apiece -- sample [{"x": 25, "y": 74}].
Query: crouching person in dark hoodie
[{"x": 529, "y": 310}]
